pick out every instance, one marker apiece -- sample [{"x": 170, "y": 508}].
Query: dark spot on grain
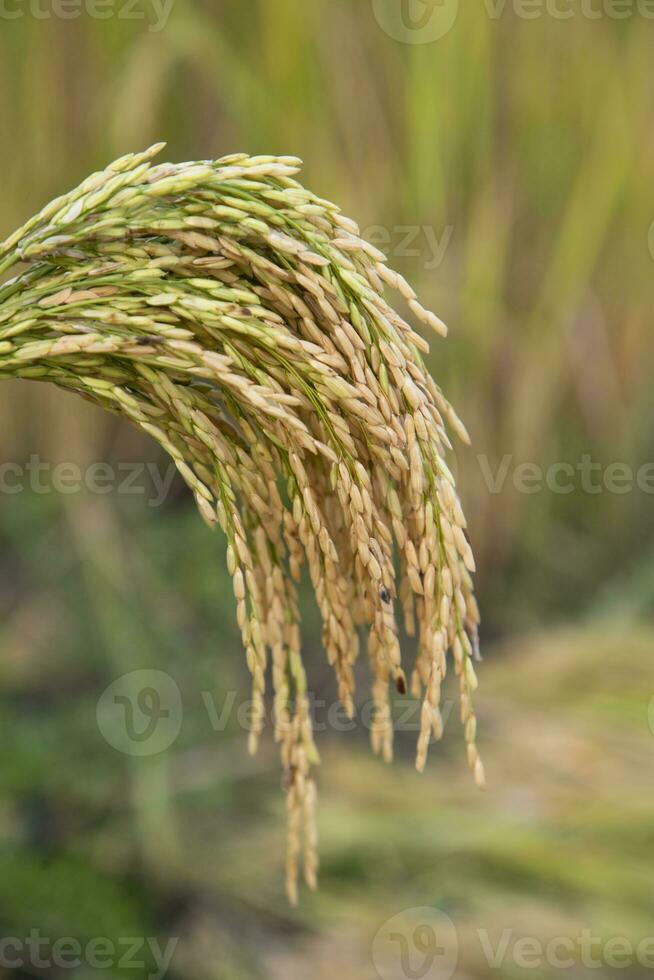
[{"x": 288, "y": 778}]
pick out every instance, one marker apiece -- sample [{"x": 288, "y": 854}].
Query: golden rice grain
[{"x": 241, "y": 321}]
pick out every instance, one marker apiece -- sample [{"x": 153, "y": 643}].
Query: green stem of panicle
[{"x": 7, "y": 262}]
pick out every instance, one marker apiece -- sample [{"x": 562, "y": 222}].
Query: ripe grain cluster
[{"x": 242, "y": 322}]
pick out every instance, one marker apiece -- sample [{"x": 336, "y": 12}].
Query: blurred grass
[
  {"x": 561, "y": 841},
  {"x": 530, "y": 140}
]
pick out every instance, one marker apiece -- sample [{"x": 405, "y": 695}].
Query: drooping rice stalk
[{"x": 241, "y": 321}]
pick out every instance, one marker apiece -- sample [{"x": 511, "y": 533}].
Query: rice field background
[{"x": 506, "y": 168}]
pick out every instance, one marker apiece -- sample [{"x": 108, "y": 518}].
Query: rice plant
[{"x": 241, "y": 321}]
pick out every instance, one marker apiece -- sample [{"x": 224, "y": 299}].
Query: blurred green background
[{"x": 506, "y": 167}]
